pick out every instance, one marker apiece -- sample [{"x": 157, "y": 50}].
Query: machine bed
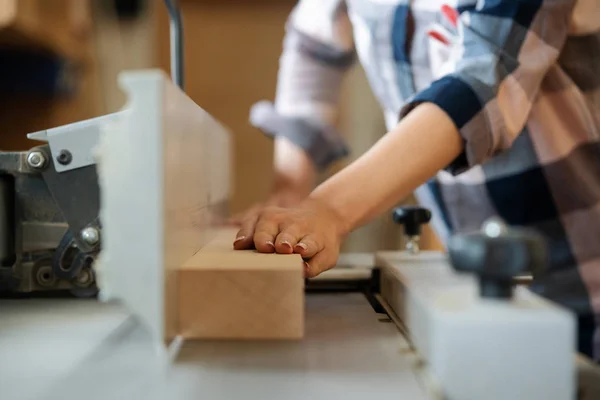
[{"x": 73, "y": 349}]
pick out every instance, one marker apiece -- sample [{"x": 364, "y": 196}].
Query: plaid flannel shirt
[{"x": 519, "y": 78}]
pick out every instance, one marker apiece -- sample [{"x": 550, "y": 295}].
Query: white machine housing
[
  {"x": 164, "y": 174},
  {"x": 475, "y": 348}
]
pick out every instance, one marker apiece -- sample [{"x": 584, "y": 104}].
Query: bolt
[
  {"x": 84, "y": 277},
  {"x": 36, "y": 159},
  {"x": 412, "y": 244},
  {"x": 90, "y": 235},
  {"x": 64, "y": 157}
]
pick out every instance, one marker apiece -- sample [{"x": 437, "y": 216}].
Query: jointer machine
[{"x": 111, "y": 206}]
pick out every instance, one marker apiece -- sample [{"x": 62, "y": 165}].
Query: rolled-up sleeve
[
  {"x": 504, "y": 49},
  {"x": 318, "y": 50}
]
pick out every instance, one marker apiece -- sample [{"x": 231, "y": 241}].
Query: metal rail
[{"x": 177, "y": 54}]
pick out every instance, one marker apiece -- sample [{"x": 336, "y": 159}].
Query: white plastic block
[{"x": 480, "y": 349}]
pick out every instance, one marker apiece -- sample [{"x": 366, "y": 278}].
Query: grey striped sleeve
[
  {"x": 318, "y": 51},
  {"x": 308, "y": 89},
  {"x": 322, "y": 143}
]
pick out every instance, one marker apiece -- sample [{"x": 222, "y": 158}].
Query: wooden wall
[
  {"x": 61, "y": 26},
  {"x": 232, "y": 53},
  {"x": 232, "y": 50}
]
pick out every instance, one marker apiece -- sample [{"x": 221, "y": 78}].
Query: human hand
[
  {"x": 312, "y": 229},
  {"x": 280, "y": 198}
]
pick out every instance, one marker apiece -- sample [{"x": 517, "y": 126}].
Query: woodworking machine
[
  {"x": 49, "y": 226},
  {"x": 408, "y": 324}
]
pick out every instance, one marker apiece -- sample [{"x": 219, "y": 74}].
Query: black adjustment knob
[
  {"x": 496, "y": 256},
  {"x": 412, "y": 217}
]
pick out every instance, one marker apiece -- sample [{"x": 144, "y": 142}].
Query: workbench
[{"x": 72, "y": 349}]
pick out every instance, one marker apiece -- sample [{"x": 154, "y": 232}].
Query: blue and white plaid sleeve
[
  {"x": 318, "y": 50},
  {"x": 504, "y": 48}
]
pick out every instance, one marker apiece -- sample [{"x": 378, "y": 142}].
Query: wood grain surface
[{"x": 232, "y": 294}]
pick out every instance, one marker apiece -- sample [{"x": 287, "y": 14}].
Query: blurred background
[{"x": 59, "y": 62}]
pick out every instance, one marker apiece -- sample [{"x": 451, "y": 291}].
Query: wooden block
[{"x": 232, "y": 294}]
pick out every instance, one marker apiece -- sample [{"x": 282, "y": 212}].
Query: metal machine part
[
  {"x": 49, "y": 199},
  {"x": 412, "y": 218},
  {"x": 50, "y": 234},
  {"x": 177, "y": 56},
  {"x": 496, "y": 255},
  {"x": 36, "y": 159},
  {"x": 72, "y": 146},
  {"x": 42, "y": 212}
]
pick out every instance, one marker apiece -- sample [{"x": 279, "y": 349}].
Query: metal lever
[
  {"x": 412, "y": 218},
  {"x": 177, "y": 54},
  {"x": 496, "y": 255}
]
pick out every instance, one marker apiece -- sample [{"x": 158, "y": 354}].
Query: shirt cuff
[
  {"x": 462, "y": 104},
  {"x": 323, "y": 144}
]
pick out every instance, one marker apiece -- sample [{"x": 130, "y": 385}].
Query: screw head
[
  {"x": 85, "y": 277},
  {"x": 64, "y": 157},
  {"x": 90, "y": 235},
  {"x": 45, "y": 277},
  {"x": 36, "y": 159},
  {"x": 494, "y": 227}
]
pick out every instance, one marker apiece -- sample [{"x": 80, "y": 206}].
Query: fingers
[
  {"x": 308, "y": 246},
  {"x": 262, "y": 230},
  {"x": 287, "y": 240},
  {"x": 319, "y": 263},
  {"x": 245, "y": 236},
  {"x": 286, "y": 232},
  {"x": 265, "y": 233}
]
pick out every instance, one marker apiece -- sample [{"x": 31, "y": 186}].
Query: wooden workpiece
[{"x": 231, "y": 294}]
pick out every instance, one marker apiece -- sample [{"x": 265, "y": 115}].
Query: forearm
[
  {"x": 294, "y": 170},
  {"x": 423, "y": 143},
  {"x": 318, "y": 51}
]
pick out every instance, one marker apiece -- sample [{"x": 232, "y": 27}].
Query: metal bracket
[{"x": 72, "y": 146}]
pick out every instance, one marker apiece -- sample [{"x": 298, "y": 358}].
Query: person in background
[{"x": 492, "y": 108}]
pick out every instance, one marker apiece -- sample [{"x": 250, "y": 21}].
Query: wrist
[
  {"x": 286, "y": 198},
  {"x": 343, "y": 222},
  {"x": 283, "y": 184}
]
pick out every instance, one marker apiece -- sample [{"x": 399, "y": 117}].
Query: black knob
[
  {"x": 412, "y": 218},
  {"x": 496, "y": 260}
]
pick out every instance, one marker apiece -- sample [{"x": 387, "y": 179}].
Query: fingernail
[
  {"x": 286, "y": 244},
  {"x": 306, "y": 265},
  {"x": 302, "y": 246},
  {"x": 239, "y": 239},
  {"x": 270, "y": 244}
]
